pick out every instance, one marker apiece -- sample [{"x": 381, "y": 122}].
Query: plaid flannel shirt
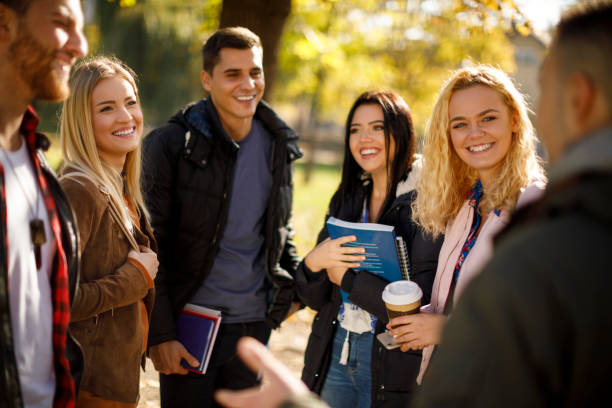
[{"x": 65, "y": 391}]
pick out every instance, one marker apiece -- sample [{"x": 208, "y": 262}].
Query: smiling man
[
  {"x": 39, "y": 364},
  {"x": 219, "y": 190}
]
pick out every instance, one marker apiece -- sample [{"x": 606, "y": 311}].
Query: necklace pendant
[
  {"x": 38, "y": 256},
  {"x": 37, "y": 232}
]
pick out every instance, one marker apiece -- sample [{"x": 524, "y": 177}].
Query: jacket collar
[
  {"x": 203, "y": 117},
  {"x": 28, "y": 127},
  {"x": 403, "y": 192},
  {"x": 591, "y": 154},
  {"x": 409, "y": 184}
]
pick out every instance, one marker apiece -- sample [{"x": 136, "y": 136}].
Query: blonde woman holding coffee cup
[
  {"x": 480, "y": 163},
  {"x": 344, "y": 361}
]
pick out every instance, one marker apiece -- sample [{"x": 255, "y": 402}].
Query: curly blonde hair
[{"x": 446, "y": 180}]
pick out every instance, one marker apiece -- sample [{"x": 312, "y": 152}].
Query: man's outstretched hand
[{"x": 278, "y": 383}]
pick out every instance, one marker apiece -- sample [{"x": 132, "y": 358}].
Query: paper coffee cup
[{"x": 402, "y": 298}]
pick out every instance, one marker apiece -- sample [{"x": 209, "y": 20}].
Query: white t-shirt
[{"x": 29, "y": 289}]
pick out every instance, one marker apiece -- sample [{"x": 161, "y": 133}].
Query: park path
[{"x": 287, "y": 344}]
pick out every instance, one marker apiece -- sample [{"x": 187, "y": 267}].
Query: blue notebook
[
  {"x": 197, "y": 328},
  {"x": 386, "y": 254}
]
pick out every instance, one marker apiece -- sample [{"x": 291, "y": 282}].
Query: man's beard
[{"x": 34, "y": 64}]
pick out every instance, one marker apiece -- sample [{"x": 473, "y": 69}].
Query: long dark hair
[{"x": 398, "y": 124}]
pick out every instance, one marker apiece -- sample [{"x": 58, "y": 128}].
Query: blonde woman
[
  {"x": 480, "y": 162},
  {"x": 100, "y": 132}
]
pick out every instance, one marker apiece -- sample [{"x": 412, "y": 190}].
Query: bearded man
[{"x": 39, "y": 362}]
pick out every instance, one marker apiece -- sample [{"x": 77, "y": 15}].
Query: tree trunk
[{"x": 267, "y": 20}]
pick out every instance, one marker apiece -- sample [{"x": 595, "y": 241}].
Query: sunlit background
[{"x": 319, "y": 55}]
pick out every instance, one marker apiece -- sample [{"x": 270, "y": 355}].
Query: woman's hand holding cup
[
  {"x": 416, "y": 331},
  {"x": 409, "y": 328}
]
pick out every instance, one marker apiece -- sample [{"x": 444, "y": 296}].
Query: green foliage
[
  {"x": 160, "y": 40},
  {"x": 54, "y": 154},
  {"x": 330, "y": 51},
  {"x": 333, "y": 51}
]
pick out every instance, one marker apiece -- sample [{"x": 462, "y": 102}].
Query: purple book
[{"x": 197, "y": 328}]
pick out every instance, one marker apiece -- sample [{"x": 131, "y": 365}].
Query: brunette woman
[
  {"x": 344, "y": 362},
  {"x": 479, "y": 163},
  {"x": 100, "y": 130}
]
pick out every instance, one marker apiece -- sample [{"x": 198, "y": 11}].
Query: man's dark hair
[
  {"x": 20, "y": 6},
  {"x": 239, "y": 38},
  {"x": 583, "y": 43}
]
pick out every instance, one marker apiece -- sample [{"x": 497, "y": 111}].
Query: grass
[
  {"x": 310, "y": 200},
  {"x": 54, "y": 154}
]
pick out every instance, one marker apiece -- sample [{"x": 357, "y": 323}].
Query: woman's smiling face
[
  {"x": 116, "y": 119},
  {"x": 367, "y": 139},
  {"x": 481, "y": 126}
]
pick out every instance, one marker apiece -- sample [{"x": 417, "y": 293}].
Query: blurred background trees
[
  {"x": 319, "y": 55},
  {"x": 322, "y": 53}
]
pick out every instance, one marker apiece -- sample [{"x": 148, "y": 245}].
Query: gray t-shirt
[{"x": 236, "y": 283}]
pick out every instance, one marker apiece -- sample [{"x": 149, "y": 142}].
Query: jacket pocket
[
  {"x": 85, "y": 332},
  {"x": 400, "y": 370}
]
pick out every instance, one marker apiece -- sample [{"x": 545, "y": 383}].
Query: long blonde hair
[
  {"x": 78, "y": 142},
  {"x": 446, "y": 180}
]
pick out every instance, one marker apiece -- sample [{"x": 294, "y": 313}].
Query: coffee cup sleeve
[{"x": 428, "y": 308}]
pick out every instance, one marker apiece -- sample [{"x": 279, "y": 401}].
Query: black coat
[
  {"x": 188, "y": 167},
  {"x": 393, "y": 372}
]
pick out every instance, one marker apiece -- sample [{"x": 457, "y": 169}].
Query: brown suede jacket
[{"x": 107, "y": 312}]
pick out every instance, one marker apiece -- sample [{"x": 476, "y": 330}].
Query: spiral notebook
[{"x": 386, "y": 253}]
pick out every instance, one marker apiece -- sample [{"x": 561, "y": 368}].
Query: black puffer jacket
[
  {"x": 188, "y": 167},
  {"x": 393, "y": 372}
]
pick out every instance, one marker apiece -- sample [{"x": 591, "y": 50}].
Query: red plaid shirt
[{"x": 65, "y": 390}]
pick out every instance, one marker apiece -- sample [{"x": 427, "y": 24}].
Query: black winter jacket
[
  {"x": 10, "y": 392},
  {"x": 188, "y": 167},
  {"x": 393, "y": 372}
]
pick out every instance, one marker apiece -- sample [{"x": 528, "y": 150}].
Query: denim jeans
[{"x": 349, "y": 386}]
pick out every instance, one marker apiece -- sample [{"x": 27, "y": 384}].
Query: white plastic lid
[{"x": 403, "y": 292}]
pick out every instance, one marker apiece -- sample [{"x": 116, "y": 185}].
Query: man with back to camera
[
  {"x": 219, "y": 190},
  {"x": 535, "y": 327},
  {"x": 40, "y": 364}
]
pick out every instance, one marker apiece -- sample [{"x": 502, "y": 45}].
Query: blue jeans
[{"x": 349, "y": 386}]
